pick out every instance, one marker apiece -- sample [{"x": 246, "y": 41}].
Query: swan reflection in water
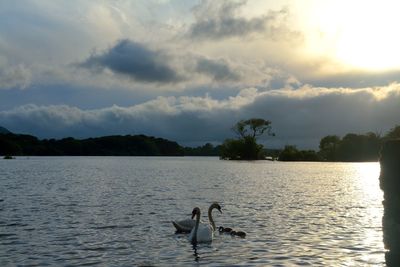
[
  {"x": 195, "y": 254},
  {"x": 199, "y": 250}
]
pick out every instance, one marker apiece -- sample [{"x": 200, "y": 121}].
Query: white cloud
[
  {"x": 214, "y": 48},
  {"x": 18, "y": 76},
  {"x": 50, "y": 38}
]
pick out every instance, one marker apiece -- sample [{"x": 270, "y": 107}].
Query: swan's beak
[{"x": 220, "y": 210}]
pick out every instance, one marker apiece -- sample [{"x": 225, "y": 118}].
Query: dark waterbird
[
  {"x": 238, "y": 233},
  {"x": 222, "y": 229},
  {"x": 229, "y": 230}
]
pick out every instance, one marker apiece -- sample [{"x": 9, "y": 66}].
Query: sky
[{"x": 189, "y": 70}]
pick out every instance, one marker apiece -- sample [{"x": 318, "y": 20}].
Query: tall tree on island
[{"x": 245, "y": 147}]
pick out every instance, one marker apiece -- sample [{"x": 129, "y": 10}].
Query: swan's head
[
  {"x": 195, "y": 211},
  {"x": 215, "y": 205}
]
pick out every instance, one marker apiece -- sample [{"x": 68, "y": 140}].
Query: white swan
[
  {"x": 185, "y": 226},
  {"x": 201, "y": 232}
]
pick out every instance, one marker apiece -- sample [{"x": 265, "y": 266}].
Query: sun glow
[{"x": 357, "y": 34}]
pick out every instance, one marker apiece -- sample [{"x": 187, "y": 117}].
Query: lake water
[{"x": 117, "y": 211}]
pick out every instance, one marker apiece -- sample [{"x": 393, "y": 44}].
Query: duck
[
  {"x": 238, "y": 233},
  {"x": 222, "y": 229}
]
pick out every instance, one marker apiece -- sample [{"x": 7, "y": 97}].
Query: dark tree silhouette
[
  {"x": 328, "y": 146},
  {"x": 117, "y": 145},
  {"x": 246, "y": 147},
  {"x": 291, "y": 153},
  {"x": 252, "y": 128},
  {"x": 394, "y": 133}
]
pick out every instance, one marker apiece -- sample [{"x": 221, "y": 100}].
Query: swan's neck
[
  {"x": 196, "y": 227},
  {"x": 210, "y": 218}
]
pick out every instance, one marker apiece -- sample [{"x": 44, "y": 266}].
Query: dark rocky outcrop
[
  {"x": 390, "y": 184},
  {"x": 4, "y": 130}
]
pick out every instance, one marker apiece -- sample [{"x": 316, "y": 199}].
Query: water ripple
[{"x": 117, "y": 211}]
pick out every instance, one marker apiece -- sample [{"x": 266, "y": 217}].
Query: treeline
[
  {"x": 117, "y": 145},
  {"x": 351, "y": 148},
  {"x": 128, "y": 145},
  {"x": 206, "y": 150}
]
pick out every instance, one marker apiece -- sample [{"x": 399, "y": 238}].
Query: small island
[{"x": 245, "y": 147}]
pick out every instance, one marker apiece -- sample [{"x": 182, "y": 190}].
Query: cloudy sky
[{"x": 188, "y": 70}]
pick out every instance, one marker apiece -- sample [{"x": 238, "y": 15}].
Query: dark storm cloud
[
  {"x": 219, "y": 19},
  {"x": 218, "y": 70},
  {"x": 300, "y": 117},
  {"x": 15, "y": 77},
  {"x": 134, "y": 60},
  {"x": 226, "y": 27}
]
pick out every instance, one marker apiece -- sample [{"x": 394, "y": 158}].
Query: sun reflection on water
[
  {"x": 368, "y": 174},
  {"x": 294, "y": 213},
  {"x": 371, "y": 196}
]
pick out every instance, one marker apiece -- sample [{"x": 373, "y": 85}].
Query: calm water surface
[{"x": 116, "y": 211}]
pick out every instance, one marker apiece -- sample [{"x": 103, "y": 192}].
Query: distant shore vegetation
[
  {"x": 128, "y": 145},
  {"x": 349, "y": 148}
]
